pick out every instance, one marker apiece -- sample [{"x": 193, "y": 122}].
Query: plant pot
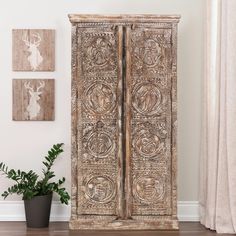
[{"x": 37, "y": 211}]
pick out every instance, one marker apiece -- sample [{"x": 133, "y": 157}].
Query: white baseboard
[
  {"x": 188, "y": 211},
  {"x": 14, "y": 211}
]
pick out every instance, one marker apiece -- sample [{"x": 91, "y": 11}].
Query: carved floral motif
[
  {"x": 147, "y": 143},
  {"x": 99, "y": 98},
  {"x": 150, "y": 53},
  {"x": 148, "y": 189},
  {"x": 100, "y": 189},
  {"x": 99, "y": 52},
  {"x": 100, "y": 144},
  {"x": 150, "y": 50},
  {"x": 147, "y": 98}
]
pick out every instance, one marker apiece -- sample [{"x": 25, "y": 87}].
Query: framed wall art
[
  {"x": 33, "y": 50},
  {"x": 33, "y": 99}
]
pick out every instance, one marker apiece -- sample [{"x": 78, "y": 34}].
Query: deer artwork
[
  {"x": 33, "y": 108},
  {"x": 35, "y": 58}
]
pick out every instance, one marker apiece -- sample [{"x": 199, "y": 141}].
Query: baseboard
[
  {"x": 14, "y": 211},
  {"x": 188, "y": 211}
]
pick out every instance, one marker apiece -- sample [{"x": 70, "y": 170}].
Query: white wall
[{"x": 23, "y": 144}]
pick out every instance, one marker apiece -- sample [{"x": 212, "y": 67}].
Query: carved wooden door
[
  {"x": 99, "y": 115},
  {"x": 148, "y": 85},
  {"x": 124, "y": 122}
]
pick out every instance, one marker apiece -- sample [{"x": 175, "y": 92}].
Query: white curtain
[{"x": 218, "y": 153}]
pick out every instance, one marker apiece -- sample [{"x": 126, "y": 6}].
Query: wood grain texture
[
  {"x": 125, "y": 18},
  {"x": 127, "y": 106},
  {"x": 174, "y": 119},
  {"x": 33, "y": 99},
  {"x": 120, "y": 184},
  {"x": 33, "y": 50},
  {"x": 124, "y": 122},
  {"x": 62, "y": 229}
]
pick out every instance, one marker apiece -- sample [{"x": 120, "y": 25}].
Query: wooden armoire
[{"x": 124, "y": 121}]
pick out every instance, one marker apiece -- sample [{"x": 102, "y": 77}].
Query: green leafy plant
[{"x": 29, "y": 184}]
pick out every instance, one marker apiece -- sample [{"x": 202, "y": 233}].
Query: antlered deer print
[
  {"x": 33, "y": 108},
  {"x": 33, "y": 99},
  {"x": 35, "y": 58}
]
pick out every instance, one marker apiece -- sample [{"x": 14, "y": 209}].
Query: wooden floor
[{"x": 61, "y": 229}]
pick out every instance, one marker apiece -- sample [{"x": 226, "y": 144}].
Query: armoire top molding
[{"x": 74, "y": 18}]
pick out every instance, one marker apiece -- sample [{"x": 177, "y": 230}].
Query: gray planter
[{"x": 37, "y": 211}]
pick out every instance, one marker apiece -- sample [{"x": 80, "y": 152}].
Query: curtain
[{"x": 218, "y": 147}]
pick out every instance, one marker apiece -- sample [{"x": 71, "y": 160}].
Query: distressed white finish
[
  {"x": 133, "y": 187},
  {"x": 35, "y": 58},
  {"x": 34, "y": 107}
]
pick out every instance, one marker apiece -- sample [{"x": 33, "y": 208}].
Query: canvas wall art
[
  {"x": 33, "y": 99},
  {"x": 33, "y": 50}
]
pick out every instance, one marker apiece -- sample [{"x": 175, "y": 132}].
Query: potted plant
[{"x": 37, "y": 191}]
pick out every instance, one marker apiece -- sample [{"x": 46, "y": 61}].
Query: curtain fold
[{"x": 218, "y": 148}]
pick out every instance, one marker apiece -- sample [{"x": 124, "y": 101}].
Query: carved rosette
[
  {"x": 100, "y": 189},
  {"x": 149, "y": 54},
  {"x": 151, "y": 191},
  {"x": 99, "y": 143},
  {"x": 150, "y": 49},
  {"x": 99, "y": 98},
  {"x": 147, "y": 99},
  {"x": 148, "y": 189},
  {"x": 99, "y": 52},
  {"x": 149, "y": 140},
  {"x": 98, "y": 192}
]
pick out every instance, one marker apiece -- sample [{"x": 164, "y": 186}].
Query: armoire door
[
  {"x": 149, "y": 121},
  {"x": 98, "y": 97}
]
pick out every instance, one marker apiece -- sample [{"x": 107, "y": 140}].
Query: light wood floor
[{"x": 61, "y": 229}]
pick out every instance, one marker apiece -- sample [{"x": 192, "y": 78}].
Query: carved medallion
[
  {"x": 147, "y": 143},
  {"x": 147, "y": 98},
  {"x": 148, "y": 189},
  {"x": 100, "y": 51},
  {"x": 100, "y": 189},
  {"x": 100, "y": 144},
  {"x": 149, "y": 53},
  {"x": 100, "y": 98}
]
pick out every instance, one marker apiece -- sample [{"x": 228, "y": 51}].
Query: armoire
[{"x": 124, "y": 122}]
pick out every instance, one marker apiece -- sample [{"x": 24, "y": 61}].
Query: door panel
[
  {"x": 99, "y": 121},
  {"x": 148, "y": 121}
]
